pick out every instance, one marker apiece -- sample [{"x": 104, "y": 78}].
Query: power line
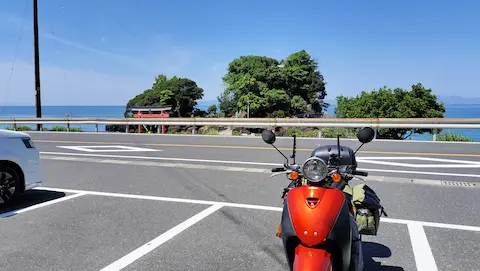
[{"x": 16, "y": 51}]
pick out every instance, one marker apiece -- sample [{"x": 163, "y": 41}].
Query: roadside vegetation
[
  {"x": 266, "y": 87},
  {"x": 453, "y": 137},
  {"x": 53, "y": 129}
]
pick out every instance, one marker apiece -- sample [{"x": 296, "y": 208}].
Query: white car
[{"x": 19, "y": 165}]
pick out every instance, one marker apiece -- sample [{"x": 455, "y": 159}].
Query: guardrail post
[
  {"x": 126, "y": 129},
  {"x": 193, "y": 130},
  {"x": 435, "y": 132},
  {"x": 96, "y": 127},
  {"x": 319, "y": 132},
  {"x": 68, "y": 127}
]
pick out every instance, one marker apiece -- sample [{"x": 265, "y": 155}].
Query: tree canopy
[
  {"x": 269, "y": 88},
  {"x": 181, "y": 93},
  {"x": 388, "y": 103}
]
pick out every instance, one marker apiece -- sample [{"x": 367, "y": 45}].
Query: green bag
[{"x": 367, "y": 209}]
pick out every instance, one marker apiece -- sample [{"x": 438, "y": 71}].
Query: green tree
[
  {"x": 181, "y": 93},
  {"x": 396, "y": 103},
  {"x": 212, "y": 110},
  {"x": 268, "y": 87}
]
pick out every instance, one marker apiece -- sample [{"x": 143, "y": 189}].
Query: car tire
[{"x": 6, "y": 170}]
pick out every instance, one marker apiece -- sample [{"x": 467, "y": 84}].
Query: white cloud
[
  {"x": 61, "y": 86},
  {"x": 124, "y": 58},
  {"x": 69, "y": 86}
]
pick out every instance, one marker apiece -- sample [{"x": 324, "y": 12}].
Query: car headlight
[
  {"x": 28, "y": 143},
  {"x": 315, "y": 169}
]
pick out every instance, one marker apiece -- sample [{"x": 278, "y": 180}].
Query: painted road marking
[
  {"x": 421, "y": 159},
  {"x": 107, "y": 148},
  {"x": 253, "y": 148},
  {"x": 246, "y": 163},
  {"x": 40, "y": 205},
  {"x": 453, "y": 163},
  {"x": 146, "y": 248},
  {"x": 163, "y": 158},
  {"x": 253, "y": 137},
  {"x": 421, "y": 248},
  {"x": 236, "y": 169},
  {"x": 157, "y": 164},
  {"x": 246, "y": 206}
]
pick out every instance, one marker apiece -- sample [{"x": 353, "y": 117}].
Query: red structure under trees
[{"x": 149, "y": 112}]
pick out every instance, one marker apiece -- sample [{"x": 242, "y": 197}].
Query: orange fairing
[
  {"x": 313, "y": 211},
  {"x": 311, "y": 259}
]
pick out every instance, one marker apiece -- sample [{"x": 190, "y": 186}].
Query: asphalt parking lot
[{"x": 109, "y": 216}]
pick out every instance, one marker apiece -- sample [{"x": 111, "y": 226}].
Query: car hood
[{"x": 12, "y": 134}]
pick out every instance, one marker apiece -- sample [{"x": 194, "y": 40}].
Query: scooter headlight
[{"x": 315, "y": 169}]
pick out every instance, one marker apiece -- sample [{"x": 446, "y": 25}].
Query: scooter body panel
[{"x": 317, "y": 218}]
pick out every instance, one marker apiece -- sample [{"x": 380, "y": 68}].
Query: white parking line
[
  {"x": 432, "y": 224},
  {"x": 23, "y": 210},
  {"x": 250, "y": 206},
  {"x": 421, "y": 249},
  {"x": 250, "y": 163},
  {"x": 146, "y": 248}
]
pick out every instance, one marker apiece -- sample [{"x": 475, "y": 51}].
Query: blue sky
[{"x": 105, "y": 52}]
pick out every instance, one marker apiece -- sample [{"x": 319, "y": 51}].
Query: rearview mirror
[
  {"x": 366, "y": 135},
  {"x": 268, "y": 136}
]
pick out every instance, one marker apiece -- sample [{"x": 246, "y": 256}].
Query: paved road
[
  {"x": 101, "y": 208},
  {"x": 416, "y": 160}
]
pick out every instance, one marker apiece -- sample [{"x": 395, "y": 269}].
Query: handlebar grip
[
  {"x": 361, "y": 173},
  {"x": 278, "y": 169}
]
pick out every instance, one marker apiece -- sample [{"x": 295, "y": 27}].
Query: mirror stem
[
  {"x": 358, "y": 148},
  {"x": 294, "y": 147},
  {"x": 281, "y": 153},
  {"x": 338, "y": 145}
]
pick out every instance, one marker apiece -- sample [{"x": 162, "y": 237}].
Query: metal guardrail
[{"x": 423, "y": 123}]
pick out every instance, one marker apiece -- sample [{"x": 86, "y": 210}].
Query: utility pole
[{"x": 38, "y": 101}]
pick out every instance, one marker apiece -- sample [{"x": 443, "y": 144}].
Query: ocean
[{"x": 452, "y": 111}]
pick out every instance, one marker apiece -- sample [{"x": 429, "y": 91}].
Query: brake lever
[{"x": 280, "y": 173}]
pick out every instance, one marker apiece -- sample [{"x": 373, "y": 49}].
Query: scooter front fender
[{"x": 312, "y": 259}]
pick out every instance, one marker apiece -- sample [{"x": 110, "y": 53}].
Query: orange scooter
[{"x": 317, "y": 225}]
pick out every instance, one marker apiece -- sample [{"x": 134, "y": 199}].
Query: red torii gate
[{"x": 148, "y": 112}]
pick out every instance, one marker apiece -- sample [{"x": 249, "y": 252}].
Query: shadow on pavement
[
  {"x": 371, "y": 250},
  {"x": 30, "y": 198}
]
